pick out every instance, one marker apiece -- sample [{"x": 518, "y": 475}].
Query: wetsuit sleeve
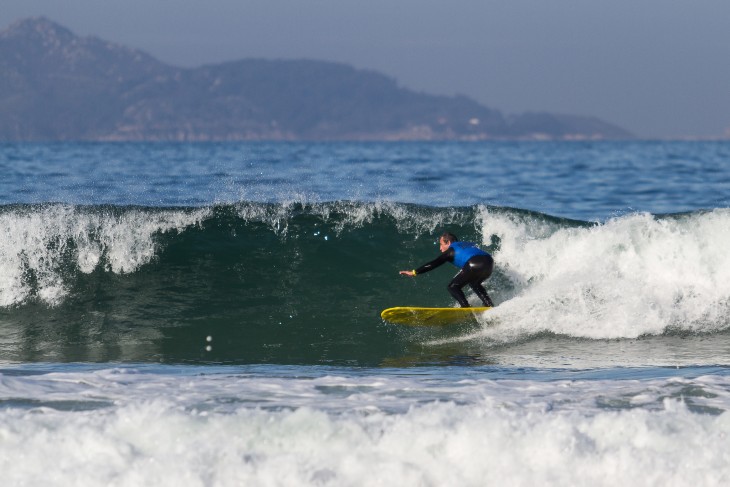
[{"x": 447, "y": 256}]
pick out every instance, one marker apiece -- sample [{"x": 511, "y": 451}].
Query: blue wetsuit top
[
  {"x": 458, "y": 254},
  {"x": 463, "y": 251}
]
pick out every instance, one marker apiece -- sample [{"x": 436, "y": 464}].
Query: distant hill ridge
[{"x": 55, "y": 85}]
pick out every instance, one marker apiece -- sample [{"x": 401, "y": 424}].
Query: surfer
[{"x": 475, "y": 266}]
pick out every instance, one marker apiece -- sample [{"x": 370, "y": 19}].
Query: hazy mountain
[{"x": 55, "y": 85}]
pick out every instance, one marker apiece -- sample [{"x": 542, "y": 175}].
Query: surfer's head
[{"x": 446, "y": 240}]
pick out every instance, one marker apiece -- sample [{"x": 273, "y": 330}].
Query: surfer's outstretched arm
[{"x": 447, "y": 256}]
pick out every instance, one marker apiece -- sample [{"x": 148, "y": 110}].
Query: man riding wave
[{"x": 475, "y": 266}]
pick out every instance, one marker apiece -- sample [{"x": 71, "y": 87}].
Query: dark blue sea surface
[{"x": 581, "y": 180}]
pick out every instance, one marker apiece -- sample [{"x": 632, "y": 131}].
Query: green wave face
[
  {"x": 305, "y": 283},
  {"x": 245, "y": 283}
]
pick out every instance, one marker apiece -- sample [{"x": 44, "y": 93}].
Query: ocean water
[{"x": 208, "y": 314}]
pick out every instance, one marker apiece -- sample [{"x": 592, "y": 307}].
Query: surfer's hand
[{"x": 408, "y": 273}]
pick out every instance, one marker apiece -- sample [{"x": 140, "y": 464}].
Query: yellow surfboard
[{"x": 414, "y": 316}]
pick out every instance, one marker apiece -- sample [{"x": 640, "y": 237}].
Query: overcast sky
[{"x": 659, "y": 68}]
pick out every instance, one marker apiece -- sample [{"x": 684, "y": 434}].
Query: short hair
[{"x": 449, "y": 237}]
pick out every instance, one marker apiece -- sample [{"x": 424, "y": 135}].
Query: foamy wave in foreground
[
  {"x": 161, "y": 430},
  {"x": 634, "y": 275},
  {"x": 157, "y": 444}
]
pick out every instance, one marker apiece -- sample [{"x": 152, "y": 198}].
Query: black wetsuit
[{"x": 476, "y": 270}]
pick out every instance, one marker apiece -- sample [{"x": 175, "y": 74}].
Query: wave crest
[
  {"x": 41, "y": 244},
  {"x": 631, "y": 276}
]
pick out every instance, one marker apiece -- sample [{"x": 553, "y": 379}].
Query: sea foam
[
  {"x": 36, "y": 241},
  {"x": 191, "y": 429},
  {"x": 630, "y": 276}
]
